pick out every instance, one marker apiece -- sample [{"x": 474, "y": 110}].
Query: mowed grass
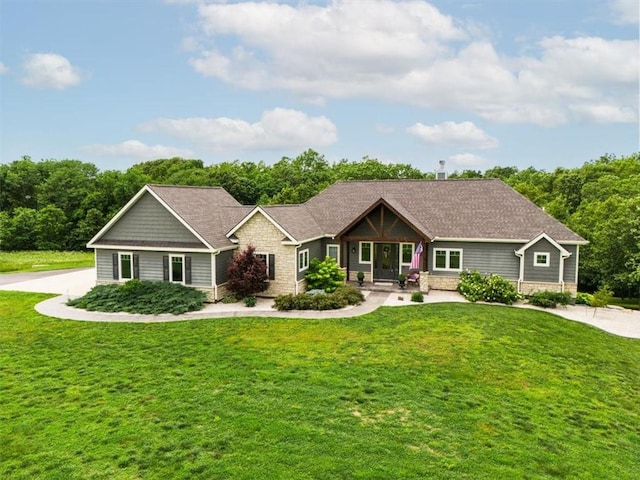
[
  {"x": 441, "y": 391},
  {"x": 38, "y": 261}
]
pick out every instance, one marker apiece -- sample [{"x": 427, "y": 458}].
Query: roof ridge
[{"x": 199, "y": 187}]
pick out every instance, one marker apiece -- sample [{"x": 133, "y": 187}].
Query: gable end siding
[
  {"x": 148, "y": 220},
  {"x": 542, "y": 274}
]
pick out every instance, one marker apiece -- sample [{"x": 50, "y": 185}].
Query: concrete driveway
[{"x": 72, "y": 283}]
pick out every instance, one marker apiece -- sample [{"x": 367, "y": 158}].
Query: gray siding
[
  {"x": 149, "y": 220},
  {"x": 498, "y": 258},
  {"x": 222, "y": 263},
  {"x": 542, "y": 274},
  {"x": 354, "y": 264},
  {"x": 151, "y": 266},
  {"x": 570, "y": 264},
  {"x": 316, "y": 250}
]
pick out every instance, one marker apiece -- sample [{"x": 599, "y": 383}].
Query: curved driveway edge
[
  {"x": 75, "y": 283},
  {"x": 57, "y": 307}
]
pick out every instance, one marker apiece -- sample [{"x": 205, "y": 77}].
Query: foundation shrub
[
  {"x": 548, "y": 299},
  {"x": 583, "y": 298},
  {"x": 340, "y": 298},
  {"x": 324, "y": 275}
]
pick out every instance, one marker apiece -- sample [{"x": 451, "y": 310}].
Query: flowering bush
[{"x": 489, "y": 288}]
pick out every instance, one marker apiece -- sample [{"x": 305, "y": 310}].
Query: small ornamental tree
[{"x": 247, "y": 273}]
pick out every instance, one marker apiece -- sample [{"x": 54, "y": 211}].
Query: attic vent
[{"x": 441, "y": 174}]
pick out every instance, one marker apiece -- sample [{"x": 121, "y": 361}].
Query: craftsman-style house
[{"x": 189, "y": 235}]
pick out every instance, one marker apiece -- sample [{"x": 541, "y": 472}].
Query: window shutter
[
  {"x": 272, "y": 266},
  {"x": 187, "y": 270},
  {"x": 136, "y": 266},
  {"x": 165, "y": 268},
  {"x": 116, "y": 274}
]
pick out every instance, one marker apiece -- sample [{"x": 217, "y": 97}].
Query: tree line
[{"x": 61, "y": 204}]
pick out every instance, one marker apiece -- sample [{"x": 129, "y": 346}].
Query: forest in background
[{"x": 61, "y": 204}]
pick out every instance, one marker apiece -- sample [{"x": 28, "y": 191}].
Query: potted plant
[
  {"x": 402, "y": 279},
  {"x": 360, "y": 276}
]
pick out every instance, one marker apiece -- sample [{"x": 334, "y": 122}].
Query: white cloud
[
  {"x": 625, "y": 11},
  {"x": 466, "y": 160},
  {"x": 50, "y": 70},
  {"x": 464, "y": 134},
  {"x": 137, "y": 149},
  {"x": 277, "y": 128},
  {"x": 3, "y": 69},
  {"x": 410, "y": 52},
  {"x": 603, "y": 113}
]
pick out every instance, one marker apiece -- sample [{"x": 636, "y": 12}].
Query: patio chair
[{"x": 414, "y": 277}]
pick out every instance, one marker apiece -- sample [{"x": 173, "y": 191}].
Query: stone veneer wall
[
  {"x": 353, "y": 276},
  {"x": 266, "y": 238},
  {"x": 527, "y": 288},
  {"x": 430, "y": 281}
]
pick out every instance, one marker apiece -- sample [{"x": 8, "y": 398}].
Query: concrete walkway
[{"x": 71, "y": 284}]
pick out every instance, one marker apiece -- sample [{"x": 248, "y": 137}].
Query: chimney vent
[{"x": 441, "y": 174}]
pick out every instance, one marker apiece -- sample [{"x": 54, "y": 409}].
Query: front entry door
[{"x": 385, "y": 261}]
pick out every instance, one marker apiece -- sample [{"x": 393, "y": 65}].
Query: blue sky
[{"x": 478, "y": 83}]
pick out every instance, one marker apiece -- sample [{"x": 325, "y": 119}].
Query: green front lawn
[
  {"x": 37, "y": 261},
  {"x": 438, "y": 391}
]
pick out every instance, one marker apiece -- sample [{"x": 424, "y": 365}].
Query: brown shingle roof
[
  {"x": 465, "y": 209},
  {"x": 210, "y": 211},
  {"x": 296, "y": 220}
]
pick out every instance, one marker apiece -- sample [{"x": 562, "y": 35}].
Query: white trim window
[
  {"x": 406, "y": 254},
  {"x": 303, "y": 260},
  {"x": 176, "y": 269},
  {"x": 265, "y": 258},
  {"x": 365, "y": 254},
  {"x": 125, "y": 264},
  {"x": 333, "y": 251},
  {"x": 447, "y": 259},
  {"x": 541, "y": 259}
]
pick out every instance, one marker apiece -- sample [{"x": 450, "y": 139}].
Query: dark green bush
[
  {"x": 340, "y": 298},
  {"x": 141, "y": 296},
  {"x": 230, "y": 299},
  {"x": 417, "y": 297},
  {"x": 489, "y": 288},
  {"x": 549, "y": 299},
  {"x": 250, "y": 301}
]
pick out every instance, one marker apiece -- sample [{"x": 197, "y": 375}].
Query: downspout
[
  {"x": 561, "y": 271},
  {"x": 577, "y": 262},
  {"x": 521, "y": 275},
  {"x": 295, "y": 269},
  {"x": 214, "y": 276}
]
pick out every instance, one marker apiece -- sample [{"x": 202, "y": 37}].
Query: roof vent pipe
[{"x": 441, "y": 174}]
